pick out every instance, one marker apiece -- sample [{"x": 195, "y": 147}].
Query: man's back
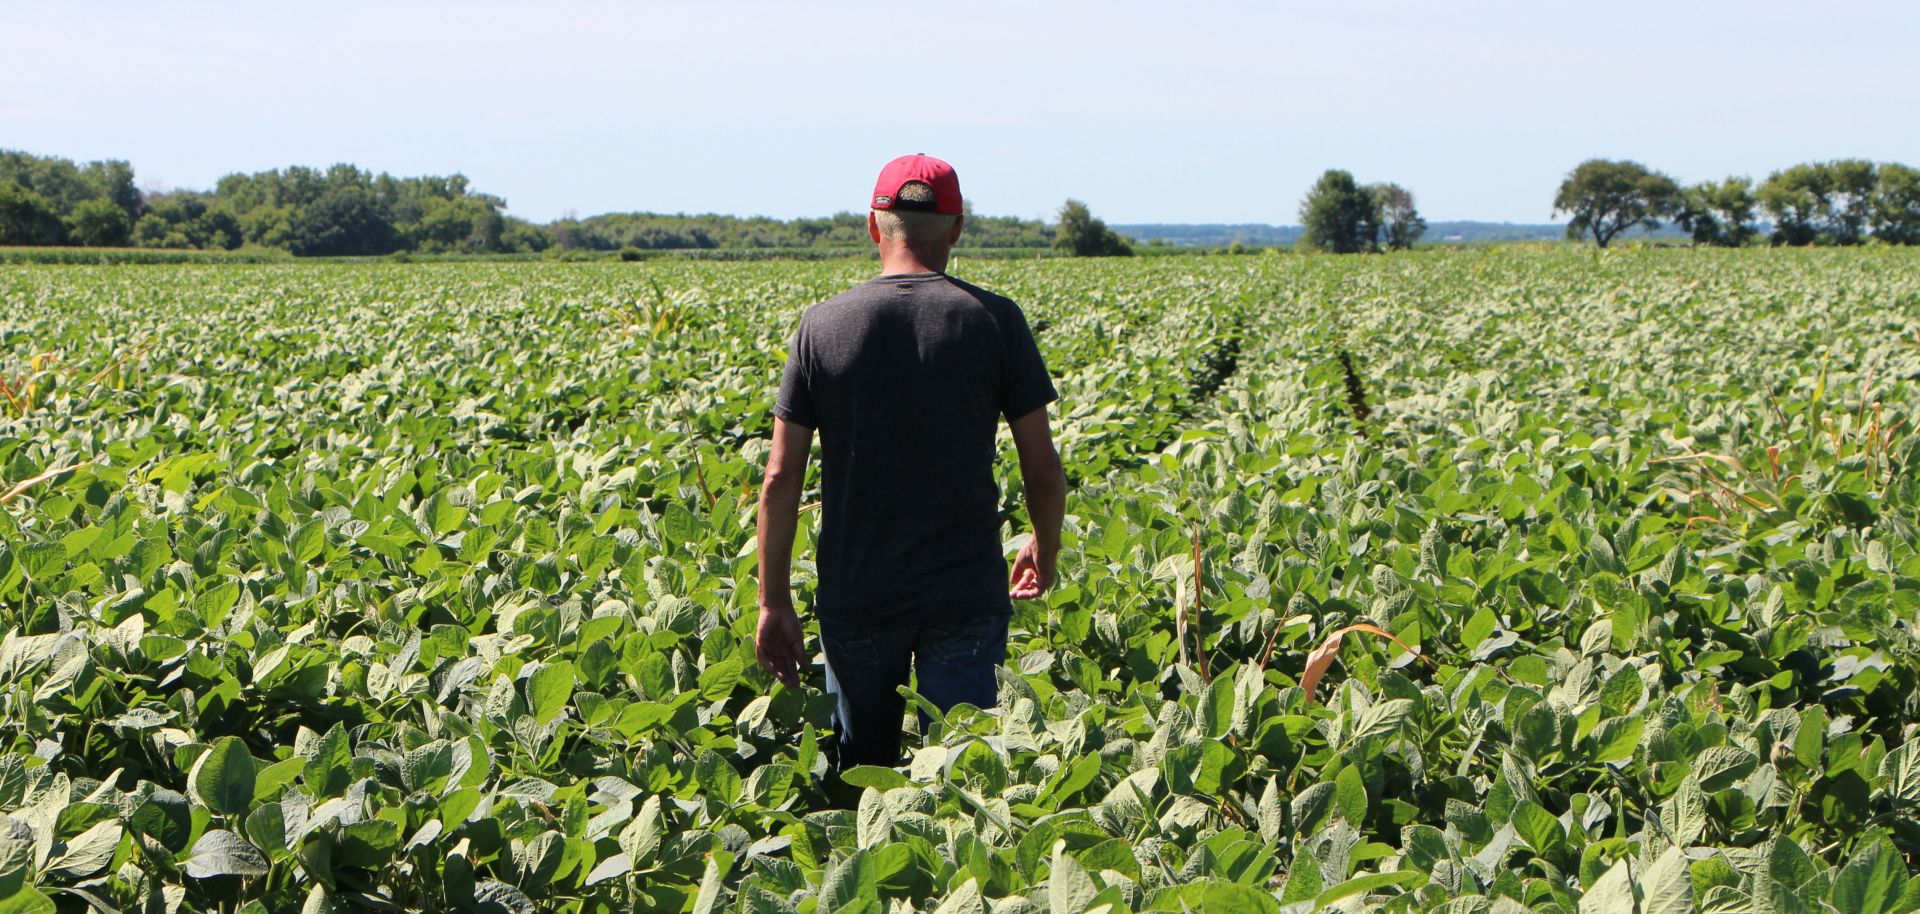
[{"x": 906, "y": 378}]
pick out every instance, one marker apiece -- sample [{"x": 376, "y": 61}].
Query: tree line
[
  {"x": 345, "y": 211},
  {"x": 1839, "y": 202},
  {"x": 656, "y": 231}
]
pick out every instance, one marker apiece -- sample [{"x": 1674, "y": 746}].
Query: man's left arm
[
  {"x": 1046, "y": 484},
  {"x": 777, "y": 641}
]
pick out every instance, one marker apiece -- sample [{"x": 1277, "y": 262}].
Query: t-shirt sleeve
[
  {"x": 1027, "y": 387},
  {"x": 795, "y": 401}
]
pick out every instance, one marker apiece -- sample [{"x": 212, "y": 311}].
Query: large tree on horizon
[
  {"x": 1896, "y": 204},
  {"x": 1718, "y": 213},
  {"x": 1824, "y": 202},
  {"x": 1081, "y": 234},
  {"x": 1400, "y": 222},
  {"x": 1607, "y": 197},
  {"x": 1340, "y": 216}
]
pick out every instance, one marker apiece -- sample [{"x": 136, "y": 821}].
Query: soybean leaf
[
  {"x": 223, "y": 853},
  {"x": 549, "y": 688},
  {"x": 222, "y": 778}
]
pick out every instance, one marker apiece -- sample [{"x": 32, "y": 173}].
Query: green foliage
[
  {"x": 430, "y": 588},
  {"x": 1718, "y": 214},
  {"x": 1841, "y": 201},
  {"x": 184, "y": 220},
  {"x": 1340, "y": 216},
  {"x": 27, "y": 217},
  {"x": 1606, "y": 197},
  {"x": 1079, "y": 234},
  {"x": 343, "y": 220},
  {"x": 1400, "y": 223},
  {"x": 1797, "y": 199},
  {"x": 466, "y": 223},
  {"x": 98, "y": 223},
  {"x": 1896, "y": 205},
  {"x": 342, "y": 211},
  {"x": 345, "y": 211},
  {"x": 712, "y": 232},
  {"x": 65, "y": 186},
  {"x": 50, "y": 201}
]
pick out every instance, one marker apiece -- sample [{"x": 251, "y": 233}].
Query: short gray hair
[{"x": 914, "y": 227}]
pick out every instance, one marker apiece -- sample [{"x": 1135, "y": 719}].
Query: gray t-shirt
[{"x": 907, "y": 378}]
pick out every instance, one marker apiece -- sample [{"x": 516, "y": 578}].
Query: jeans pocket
[
  {"x": 981, "y": 640},
  {"x": 852, "y": 659},
  {"x": 956, "y": 663}
]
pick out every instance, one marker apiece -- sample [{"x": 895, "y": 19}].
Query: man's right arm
[
  {"x": 1046, "y": 485},
  {"x": 777, "y": 641}
]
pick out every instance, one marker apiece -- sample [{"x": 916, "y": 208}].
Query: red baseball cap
[{"x": 927, "y": 170}]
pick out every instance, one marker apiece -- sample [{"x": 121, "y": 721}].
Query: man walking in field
[{"x": 907, "y": 377}]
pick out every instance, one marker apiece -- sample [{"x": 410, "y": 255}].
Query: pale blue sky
[{"x": 1151, "y": 112}]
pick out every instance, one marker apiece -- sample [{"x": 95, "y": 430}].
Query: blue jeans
[{"x": 954, "y": 663}]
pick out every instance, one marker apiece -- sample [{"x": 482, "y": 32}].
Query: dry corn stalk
[
  {"x": 1199, "y": 637},
  {"x": 23, "y": 485},
  {"x": 1322, "y": 657}
]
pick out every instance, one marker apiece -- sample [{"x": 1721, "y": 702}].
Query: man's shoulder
[
  {"x": 841, "y": 298},
  {"x": 828, "y": 309},
  {"x": 857, "y": 297},
  {"x": 984, "y": 296}
]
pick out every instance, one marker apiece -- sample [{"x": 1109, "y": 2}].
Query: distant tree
[
  {"x": 1082, "y": 235},
  {"x": 268, "y": 225},
  {"x": 521, "y": 236},
  {"x": 113, "y": 179},
  {"x": 566, "y": 233},
  {"x": 1850, "y": 205},
  {"x": 1607, "y": 197},
  {"x": 344, "y": 220},
  {"x": 1796, "y": 198},
  {"x": 186, "y": 219},
  {"x": 299, "y": 185},
  {"x": 1822, "y": 202},
  {"x": 1340, "y": 216},
  {"x": 99, "y": 222},
  {"x": 470, "y": 224},
  {"x": 27, "y": 217},
  {"x": 64, "y": 187},
  {"x": 1896, "y": 205},
  {"x": 1005, "y": 232},
  {"x": 1400, "y": 223},
  {"x": 1718, "y": 214}
]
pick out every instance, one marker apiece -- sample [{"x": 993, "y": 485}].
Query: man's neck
[{"x": 901, "y": 260}]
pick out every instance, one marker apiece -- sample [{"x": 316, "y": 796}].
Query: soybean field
[{"x": 1478, "y": 582}]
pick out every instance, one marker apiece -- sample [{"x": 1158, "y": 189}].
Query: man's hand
[
  {"x": 1032, "y": 572},
  {"x": 779, "y": 645}
]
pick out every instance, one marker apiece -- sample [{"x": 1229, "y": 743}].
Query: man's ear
[
  {"x": 873, "y": 227},
  {"x": 959, "y": 223}
]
